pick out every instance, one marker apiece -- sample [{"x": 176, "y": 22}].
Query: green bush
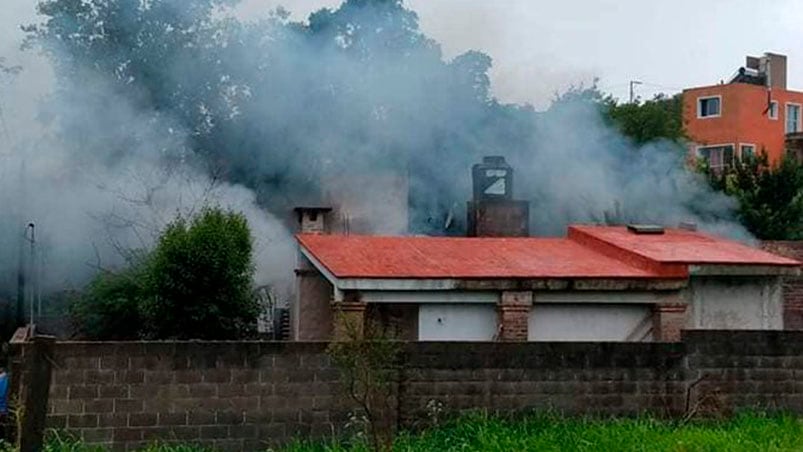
[
  {"x": 200, "y": 279},
  {"x": 109, "y": 307},
  {"x": 195, "y": 284}
]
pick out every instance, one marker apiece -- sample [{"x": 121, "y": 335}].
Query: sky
[{"x": 540, "y": 48}]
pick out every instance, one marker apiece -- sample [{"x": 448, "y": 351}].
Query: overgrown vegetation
[
  {"x": 368, "y": 357},
  {"x": 479, "y": 432},
  {"x": 770, "y": 197},
  {"x": 195, "y": 284}
]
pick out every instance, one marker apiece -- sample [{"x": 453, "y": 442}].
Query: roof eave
[{"x": 743, "y": 270}]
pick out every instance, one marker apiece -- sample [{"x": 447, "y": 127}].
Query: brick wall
[
  {"x": 792, "y": 286},
  {"x": 247, "y": 395}
]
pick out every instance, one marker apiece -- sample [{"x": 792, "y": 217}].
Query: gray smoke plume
[{"x": 165, "y": 106}]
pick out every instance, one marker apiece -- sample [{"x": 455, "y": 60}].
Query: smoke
[
  {"x": 177, "y": 105},
  {"x": 103, "y": 179}
]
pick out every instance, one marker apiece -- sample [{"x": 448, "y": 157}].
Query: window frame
[
  {"x": 769, "y": 110},
  {"x": 700, "y": 104},
  {"x": 720, "y": 145},
  {"x": 799, "y": 127},
  {"x": 742, "y": 145}
]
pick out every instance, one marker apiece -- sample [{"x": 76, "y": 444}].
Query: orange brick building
[{"x": 752, "y": 112}]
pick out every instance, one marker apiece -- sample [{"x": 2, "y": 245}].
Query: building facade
[{"x": 753, "y": 112}]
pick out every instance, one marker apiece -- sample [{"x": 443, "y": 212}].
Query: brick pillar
[
  {"x": 668, "y": 319},
  {"x": 349, "y": 320},
  {"x": 514, "y": 314}
]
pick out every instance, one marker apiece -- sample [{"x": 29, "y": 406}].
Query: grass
[
  {"x": 478, "y": 432},
  {"x": 746, "y": 432}
]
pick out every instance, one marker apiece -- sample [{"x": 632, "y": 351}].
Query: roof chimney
[
  {"x": 312, "y": 220},
  {"x": 493, "y": 212}
]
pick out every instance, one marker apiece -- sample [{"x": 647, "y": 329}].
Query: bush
[
  {"x": 109, "y": 307},
  {"x": 200, "y": 279},
  {"x": 195, "y": 284}
]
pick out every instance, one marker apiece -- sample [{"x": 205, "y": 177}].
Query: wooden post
[{"x": 37, "y": 358}]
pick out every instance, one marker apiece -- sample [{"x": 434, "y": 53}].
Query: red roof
[
  {"x": 356, "y": 256},
  {"x": 588, "y": 252},
  {"x": 678, "y": 246}
]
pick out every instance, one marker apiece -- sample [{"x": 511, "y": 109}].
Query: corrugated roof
[
  {"x": 599, "y": 252},
  {"x": 678, "y": 246},
  {"x": 356, "y": 256}
]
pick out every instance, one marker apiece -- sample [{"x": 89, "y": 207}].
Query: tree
[
  {"x": 658, "y": 118},
  {"x": 199, "y": 279},
  {"x": 770, "y": 197},
  {"x": 195, "y": 284}
]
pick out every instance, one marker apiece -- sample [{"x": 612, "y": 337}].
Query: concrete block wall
[
  {"x": 250, "y": 395},
  {"x": 230, "y": 396},
  {"x": 792, "y": 286}
]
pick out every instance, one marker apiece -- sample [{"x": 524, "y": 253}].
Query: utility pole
[{"x": 633, "y": 83}]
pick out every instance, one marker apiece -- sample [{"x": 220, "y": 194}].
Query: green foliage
[
  {"x": 368, "y": 360},
  {"x": 195, "y": 284},
  {"x": 199, "y": 278},
  {"x": 108, "y": 308},
  {"x": 480, "y": 432},
  {"x": 659, "y": 118},
  {"x": 770, "y": 197}
]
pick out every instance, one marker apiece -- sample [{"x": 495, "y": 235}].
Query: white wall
[
  {"x": 456, "y": 322},
  {"x": 590, "y": 322},
  {"x": 736, "y": 303}
]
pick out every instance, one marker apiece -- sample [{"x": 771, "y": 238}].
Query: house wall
[
  {"x": 736, "y": 303},
  {"x": 457, "y": 322},
  {"x": 590, "y": 322},
  {"x": 743, "y": 117},
  {"x": 312, "y": 313},
  {"x": 792, "y": 286}
]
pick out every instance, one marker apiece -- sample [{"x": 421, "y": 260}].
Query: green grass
[
  {"x": 478, "y": 432},
  {"x": 746, "y": 432}
]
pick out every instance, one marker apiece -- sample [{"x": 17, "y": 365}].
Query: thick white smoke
[
  {"x": 356, "y": 108},
  {"x": 97, "y": 198}
]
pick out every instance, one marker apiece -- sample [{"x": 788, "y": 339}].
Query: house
[
  {"x": 753, "y": 111},
  {"x": 598, "y": 283}
]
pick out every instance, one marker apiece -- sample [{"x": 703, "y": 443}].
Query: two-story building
[{"x": 753, "y": 111}]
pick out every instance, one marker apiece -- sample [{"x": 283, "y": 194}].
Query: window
[
  {"x": 717, "y": 157},
  {"x": 792, "y": 118},
  {"x": 772, "y": 111},
  {"x": 747, "y": 151},
  {"x": 709, "y": 107}
]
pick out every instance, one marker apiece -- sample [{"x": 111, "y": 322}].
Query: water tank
[{"x": 493, "y": 179}]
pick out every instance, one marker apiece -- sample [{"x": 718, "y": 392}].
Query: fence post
[{"x": 37, "y": 357}]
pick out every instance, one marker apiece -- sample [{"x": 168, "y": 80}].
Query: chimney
[
  {"x": 493, "y": 212},
  {"x": 312, "y": 220}
]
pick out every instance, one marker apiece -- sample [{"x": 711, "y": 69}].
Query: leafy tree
[
  {"x": 658, "y": 118},
  {"x": 199, "y": 279},
  {"x": 770, "y": 197},
  {"x": 195, "y": 284},
  {"x": 108, "y": 309}
]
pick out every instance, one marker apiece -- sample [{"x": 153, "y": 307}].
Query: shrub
[
  {"x": 109, "y": 307},
  {"x": 195, "y": 284},
  {"x": 200, "y": 279}
]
